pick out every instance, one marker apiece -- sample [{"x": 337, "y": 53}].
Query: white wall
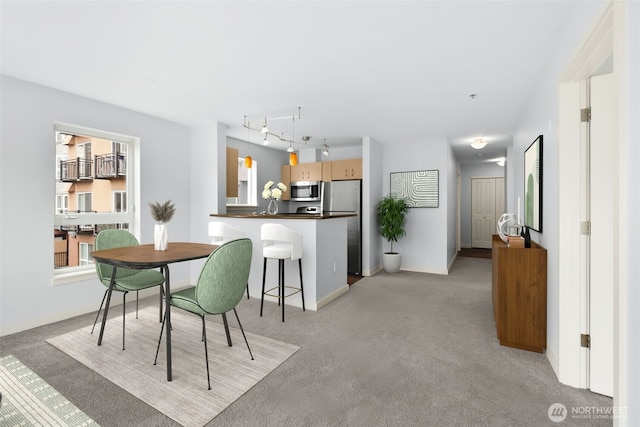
[
  {"x": 540, "y": 118},
  {"x": 372, "y": 188},
  {"x": 481, "y": 170},
  {"x": 27, "y": 200},
  {"x": 424, "y": 248}
]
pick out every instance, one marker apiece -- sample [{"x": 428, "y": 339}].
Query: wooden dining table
[{"x": 143, "y": 257}]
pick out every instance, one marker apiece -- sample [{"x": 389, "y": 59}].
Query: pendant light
[
  {"x": 293, "y": 159},
  {"x": 248, "y": 161}
]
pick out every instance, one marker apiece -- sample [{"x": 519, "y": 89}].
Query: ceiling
[{"x": 395, "y": 71}]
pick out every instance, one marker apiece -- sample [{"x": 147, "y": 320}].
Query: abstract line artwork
[
  {"x": 533, "y": 185},
  {"x": 419, "y": 188}
]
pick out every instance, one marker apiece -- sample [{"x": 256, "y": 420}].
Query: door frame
[{"x": 601, "y": 43}]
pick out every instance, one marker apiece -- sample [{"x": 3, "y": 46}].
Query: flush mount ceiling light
[{"x": 478, "y": 143}]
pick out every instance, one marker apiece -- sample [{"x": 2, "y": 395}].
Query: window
[
  {"x": 85, "y": 250},
  {"x": 247, "y": 185},
  {"x": 94, "y": 189},
  {"x": 119, "y": 201}
]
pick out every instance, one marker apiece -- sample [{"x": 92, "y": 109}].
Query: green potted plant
[{"x": 392, "y": 217}]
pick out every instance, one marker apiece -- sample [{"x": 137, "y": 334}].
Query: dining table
[{"x": 143, "y": 257}]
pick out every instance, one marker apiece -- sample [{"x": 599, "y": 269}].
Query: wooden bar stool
[{"x": 281, "y": 243}]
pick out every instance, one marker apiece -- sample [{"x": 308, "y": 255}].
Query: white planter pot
[
  {"x": 391, "y": 262},
  {"x": 160, "y": 237}
]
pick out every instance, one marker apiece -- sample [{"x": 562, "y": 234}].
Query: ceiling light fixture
[
  {"x": 248, "y": 161},
  {"x": 478, "y": 143},
  {"x": 265, "y": 141},
  {"x": 501, "y": 162},
  {"x": 325, "y": 152},
  {"x": 264, "y": 127}
]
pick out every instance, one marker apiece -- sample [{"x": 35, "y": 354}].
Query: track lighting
[
  {"x": 265, "y": 141},
  {"x": 325, "y": 151},
  {"x": 264, "y": 127}
]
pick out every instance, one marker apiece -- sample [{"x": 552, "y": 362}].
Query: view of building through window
[{"x": 91, "y": 194}]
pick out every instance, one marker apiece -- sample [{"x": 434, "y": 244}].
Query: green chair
[
  {"x": 219, "y": 289},
  {"x": 126, "y": 280}
]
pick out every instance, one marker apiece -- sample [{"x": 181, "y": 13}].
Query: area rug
[
  {"x": 185, "y": 399},
  {"x": 27, "y": 400}
]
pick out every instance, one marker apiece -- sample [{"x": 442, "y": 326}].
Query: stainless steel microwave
[{"x": 305, "y": 191}]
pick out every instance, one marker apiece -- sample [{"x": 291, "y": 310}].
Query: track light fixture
[
  {"x": 265, "y": 141},
  {"x": 264, "y": 127},
  {"x": 325, "y": 151}
]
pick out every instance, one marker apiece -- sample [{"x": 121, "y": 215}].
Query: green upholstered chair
[
  {"x": 127, "y": 280},
  {"x": 218, "y": 290}
]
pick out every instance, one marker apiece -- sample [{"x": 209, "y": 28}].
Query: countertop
[{"x": 286, "y": 215}]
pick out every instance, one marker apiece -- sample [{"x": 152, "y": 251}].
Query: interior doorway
[{"x": 487, "y": 204}]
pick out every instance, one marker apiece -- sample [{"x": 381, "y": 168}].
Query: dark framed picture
[{"x": 533, "y": 185}]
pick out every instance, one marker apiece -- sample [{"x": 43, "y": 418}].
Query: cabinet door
[
  {"x": 346, "y": 169},
  {"x": 313, "y": 171},
  {"x": 285, "y": 178},
  {"x": 326, "y": 171},
  {"x": 297, "y": 172},
  {"x": 232, "y": 172}
]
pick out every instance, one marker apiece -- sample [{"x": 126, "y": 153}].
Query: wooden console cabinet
[{"x": 519, "y": 294}]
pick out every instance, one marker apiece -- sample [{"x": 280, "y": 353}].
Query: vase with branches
[{"x": 162, "y": 213}]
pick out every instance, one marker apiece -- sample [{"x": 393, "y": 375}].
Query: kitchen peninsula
[{"x": 324, "y": 255}]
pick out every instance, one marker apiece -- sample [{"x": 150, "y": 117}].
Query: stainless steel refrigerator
[{"x": 346, "y": 197}]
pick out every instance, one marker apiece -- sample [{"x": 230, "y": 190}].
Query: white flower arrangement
[{"x": 275, "y": 193}]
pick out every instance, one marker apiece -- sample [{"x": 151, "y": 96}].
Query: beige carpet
[{"x": 186, "y": 398}]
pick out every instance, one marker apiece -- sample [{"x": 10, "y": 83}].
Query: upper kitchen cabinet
[
  {"x": 326, "y": 171},
  {"x": 285, "y": 178},
  {"x": 232, "y": 172},
  {"x": 307, "y": 172},
  {"x": 346, "y": 169}
]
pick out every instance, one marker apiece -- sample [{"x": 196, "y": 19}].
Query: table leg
[
  {"x": 106, "y": 308},
  {"x": 167, "y": 312}
]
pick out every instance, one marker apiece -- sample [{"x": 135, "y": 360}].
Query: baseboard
[
  {"x": 79, "y": 310},
  {"x": 466, "y": 245},
  {"x": 453, "y": 261},
  {"x": 553, "y": 361},
  {"x": 332, "y": 296}
]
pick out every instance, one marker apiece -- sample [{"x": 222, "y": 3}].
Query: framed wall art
[
  {"x": 533, "y": 185},
  {"x": 419, "y": 188}
]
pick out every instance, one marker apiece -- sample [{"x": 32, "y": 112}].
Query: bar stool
[
  {"x": 221, "y": 233},
  {"x": 281, "y": 243}
]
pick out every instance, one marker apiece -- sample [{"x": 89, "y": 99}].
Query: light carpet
[
  {"x": 185, "y": 399},
  {"x": 27, "y": 400}
]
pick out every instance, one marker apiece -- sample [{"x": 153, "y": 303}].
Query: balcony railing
[
  {"x": 111, "y": 166},
  {"x": 75, "y": 170}
]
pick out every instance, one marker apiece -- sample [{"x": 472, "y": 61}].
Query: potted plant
[
  {"x": 392, "y": 217},
  {"x": 162, "y": 213}
]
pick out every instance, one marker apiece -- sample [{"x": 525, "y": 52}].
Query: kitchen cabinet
[
  {"x": 307, "y": 172},
  {"x": 519, "y": 294},
  {"x": 285, "y": 178},
  {"x": 346, "y": 169},
  {"x": 232, "y": 172},
  {"x": 326, "y": 171}
]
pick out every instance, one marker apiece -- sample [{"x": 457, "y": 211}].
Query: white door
[
  {"x": 483, "y": 211},
  {"x": 603, "y": 219}
]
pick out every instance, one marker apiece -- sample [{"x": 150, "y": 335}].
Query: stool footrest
[{"x": 295, "y": 291}]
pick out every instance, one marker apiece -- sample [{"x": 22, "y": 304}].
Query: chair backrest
[
  {"x": 273, "y": 234},
  {"x": 220, "y": 232},
  {"x": 109, "y": 239},
  {"x": 224, "y": 277}
]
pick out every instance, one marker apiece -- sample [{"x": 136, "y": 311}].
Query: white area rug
[
  {"x": 185, "y": 399},
  {"x": 27, "y": 400}
]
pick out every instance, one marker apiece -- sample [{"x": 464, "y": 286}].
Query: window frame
[{"x": 130, "y": 216}]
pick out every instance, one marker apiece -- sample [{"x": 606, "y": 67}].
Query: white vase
[
  {"x": 272, "y": 207},
  {"x": 160, "y": 237}
]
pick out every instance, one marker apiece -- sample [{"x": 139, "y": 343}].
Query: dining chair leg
[
  {"x": 164, "y": 318},
  {"x": 206, "y": 352},
  {"x": 264, "y": 275},
  {"x": 99, "y": 310},
  {"x": 247, "y": 291},
  {"x": 226, "y": 329},
  {"x": 124, "y": 306},
  {"x": 160, "y": 319},
  {"x": 242, "y": 330}
]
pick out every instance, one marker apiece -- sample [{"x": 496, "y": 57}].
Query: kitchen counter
[
  {"x": 286, "y": 215},
  {"x": 324, "y": 256}
]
